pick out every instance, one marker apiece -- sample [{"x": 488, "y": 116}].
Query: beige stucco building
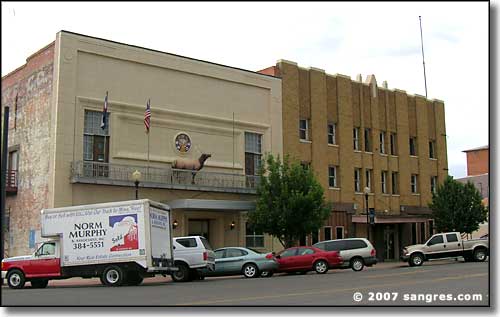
[
  {"x": 357, "y": 134},
  {"x": 60, "y": 155}
]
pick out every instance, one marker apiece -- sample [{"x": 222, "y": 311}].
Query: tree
[
  {"x": 457, "y": 207},
  {"x": 290, "y": 201}
]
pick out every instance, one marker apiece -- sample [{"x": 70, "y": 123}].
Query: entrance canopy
[
  {"x": 389, "y": 219},
  {"x": 212, "y": 205}
]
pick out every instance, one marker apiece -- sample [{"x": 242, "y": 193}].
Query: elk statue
[{"x": 191, "y": 164}]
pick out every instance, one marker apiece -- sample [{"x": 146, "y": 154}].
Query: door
[
  {"x": 199, "y": 227},
  {"x": 220, "y": 266},
  {"x": 233, "y": 260},
  {"x": 304, "y": 258},
  {"x": 436, "y": 247},
  {"x": 46, "y": 262},
  {"x": 287, "y": 259},
  {"x": 389, "y": 244},
  {"x": 453, "y": 245}
]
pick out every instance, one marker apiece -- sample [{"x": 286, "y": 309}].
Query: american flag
[
  {"x": 147, "y": 116},
  {"x": 104, "y": 112}
]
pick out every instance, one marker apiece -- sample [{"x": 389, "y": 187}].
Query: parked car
[
  {"x": 355, "y": 252},
  {"x": 192, "y": 254},
  {"x": 242, "y": 261},
  {"x": 305, "y": 259},
  {"x": 446, "y": 245}
]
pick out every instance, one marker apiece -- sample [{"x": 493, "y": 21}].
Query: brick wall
[
  {"x": 29, "y": 131},
  {"x": 477, "y": 162}
]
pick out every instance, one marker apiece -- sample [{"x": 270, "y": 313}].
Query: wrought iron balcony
[
  {"x": 168, "y": 177},
  {"x": 11, "y": 182}
]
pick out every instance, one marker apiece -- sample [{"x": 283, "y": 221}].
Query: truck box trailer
[{"x": 119, "y": 242}]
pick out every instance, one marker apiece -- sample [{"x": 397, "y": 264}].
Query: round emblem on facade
[{"x": 182, "y": 142}]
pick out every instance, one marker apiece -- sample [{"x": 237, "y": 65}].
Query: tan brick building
[
  {"x": 358, "y": 134},
  {"x": 60, "y": 156}
]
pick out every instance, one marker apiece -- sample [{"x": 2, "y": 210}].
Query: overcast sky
[{"x": 381, "y": 38}]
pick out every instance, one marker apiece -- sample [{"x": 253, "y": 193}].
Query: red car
[{"x": 304, "y": 259}]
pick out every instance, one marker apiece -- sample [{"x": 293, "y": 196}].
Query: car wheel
[
  {"x": 250, "y": 270},
  {"x": 416, "y": 260},
  {"x": 15, "y": 279},
  {"x": 321, "y": 267},
  {"x": 266, "y": 274},
  {"x": 480, "y": 255},
  {"x": 181, "y": 275},
  {"x": 113, "y": 276},
  {"x": 357, "y": 264},
  {"x": 39, "y": 283}
]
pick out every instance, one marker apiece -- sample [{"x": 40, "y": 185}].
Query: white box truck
[{"x": 119, "y": 242}]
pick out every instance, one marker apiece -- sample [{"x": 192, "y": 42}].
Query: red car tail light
[
  {"x": 205, "y": 256},
  {"x": 269, "y": 256},
  {"x": 373, "y": 252}
]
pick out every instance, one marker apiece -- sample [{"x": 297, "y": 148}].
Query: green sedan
[{"x": 237, "y": 261}]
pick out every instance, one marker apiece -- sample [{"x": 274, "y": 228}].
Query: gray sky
[{"x": 381, "y": 38}]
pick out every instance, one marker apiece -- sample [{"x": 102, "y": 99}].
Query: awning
[
  {"x": 212, "y": 205},
  {"x": 389, "y": 219}
]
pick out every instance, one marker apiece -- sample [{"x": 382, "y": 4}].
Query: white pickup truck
[
  {"x": 446, "y": 245},
  {"x": 192, "y": 255}
]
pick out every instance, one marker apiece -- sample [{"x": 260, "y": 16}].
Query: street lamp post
[
  {"x": 136, "y": 177},
  {"x": 366, "y": 191}
]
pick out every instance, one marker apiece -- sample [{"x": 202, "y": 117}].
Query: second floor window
[
  {"x": 393, "y": 144},
  {"x": 383, "y": 177},
  {"x": 95, "y": 139},
  {"x": 332, "y": 176},
  {"x": 382, "y": 142},
  {"x": 368, "y": 178},
  {"x": 413, "y": 146},
  {"x": 357, "y": 180},
  {"x": 432, "y": 149},
  {"x": 395, "y": 183},
  {"x": 304, "y": 130},
  {"x": 368, "y": 144},
  {"x": 331, "y": 133},
  {"x": 414, "y": 179},
  {"x": 355, "y": 138},
  {"x": 253, "y": 153}
]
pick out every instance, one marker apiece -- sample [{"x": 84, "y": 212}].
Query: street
[{"x": 435, "y": 283}]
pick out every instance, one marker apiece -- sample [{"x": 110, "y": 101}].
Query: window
[
  {"x": 451, "y": 237},
  {"x": 12, "y": 169},
  {"x": 205, "y": 242},
  {"x": 331, "y": 133},
  {"x": 357, "y": 180},
  {"x": 382, "y": 142},
  {"x": 395, "y": 183},
  {"x": 332, "y": 176},
  {"x": 368, "y": 144},
  {"x": 432, "y": 149},
  {"x": 433, "y": 184},
  {"x": 383, "y": 177},
  {"x": 95, "y": 139},
  {"x": 304, "y": 129},
  {"x": 288, "y": 252},
  {"x": 219, "y": 254},
  {"x": 413, "y": 146},
  {"x": 232, "y": 253},
  {"x": 339, "y": 232},
  {"x": 47, "y": 249},
  {"x": 368, "y": 178},
  {"x": 393, "y": 144},
  {"x": 335, "y": 245},
  {"x": 354, "y": 244},
  {"x": 253, "y": 153},
  {"x": 187, "y": 242},
  {"x": 414, "y": 180},
  {"x": 305, "y": 251},
  {"x": 436, "y": 240},
  {"x": 355, "y": 136},
  {"x": 254, "y": 238},
  {"x": 327, "y": 232}
]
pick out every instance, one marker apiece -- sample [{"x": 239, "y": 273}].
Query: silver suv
[
  {"x": 356, "y": 252},
  {"x": 191, "y": 255}
]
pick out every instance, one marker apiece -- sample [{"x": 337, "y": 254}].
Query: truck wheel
[
  {"x": 39, "y": 283},
  {"x": 250, "y": 270},
  {"x": 480, "y": 255},
  {"x": 134, "y": 278},
  {"x": 181, "y": 275},
  {"x": 357, "y": 264},
  {"x": 416, "y": 260},
  {"x": 15, "y": 279},
  {"x": 113, "y": 276}
]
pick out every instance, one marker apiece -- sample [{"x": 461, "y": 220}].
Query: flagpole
[
  {"x": 233, "y": 150},
  {"x": 423, "y": 60},
  {"x": 149, "y": 103},
  {"x": 106, "y": 124}
]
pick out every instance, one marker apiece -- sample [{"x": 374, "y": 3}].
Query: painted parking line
[{"x": 378, "y": 286}]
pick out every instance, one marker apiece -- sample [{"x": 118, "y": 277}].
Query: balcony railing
[
  {"x": 11, "y": 182},
  {"x": 168, "y": 177}
]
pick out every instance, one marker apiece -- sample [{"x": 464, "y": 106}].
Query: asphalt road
[{"x": 398, "y": 285}]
